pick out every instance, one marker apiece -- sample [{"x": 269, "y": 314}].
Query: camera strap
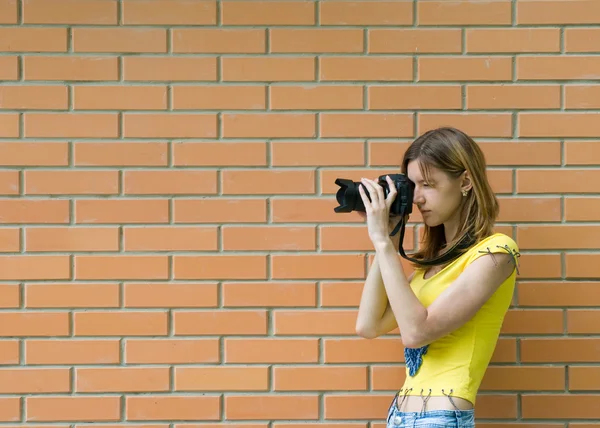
[{"x": 465, "y": 242}]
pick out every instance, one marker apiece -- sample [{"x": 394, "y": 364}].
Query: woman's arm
[{"x": 375, "y": 315}]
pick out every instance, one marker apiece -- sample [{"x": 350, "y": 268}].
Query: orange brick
[
  {"x": 464, "y": 13},
  {"x": 169, "y": 125},
  {"x": 71, "y": 295},
  {"x": 9, "y": 67},
  {"x": 366, "y": 125},
  {"x": 118, "y": 153},
  {"x": 267, "y": 69},
  {"x": 551, "y": 67},
  {"x": 34, "y": 380},
  {"x": 220, "y": 322},
  {"x": 520, "y": 96},
  {"x": 138, "y": 40},
  {"x": 582, "y": 96},
  {"x": 231, "y": 97},
  {"x": 529, "y": 209},
  {"x": 557, "y": 12},
  {"x": 380, "y": 68},
  {"x": 219, "y": 154},
  {"x": 169, "y": 182},
  {"x": 287, "y": 407},
  {"x": 69, "y": 239},
  {"x": 322, "y": 40},
  {"x": 417, "y": 40},
  {"x": 121, "y": 211},
  {"x": 268, "y": 238},
  {"x": 269, "y": 125},
  {"x": 71, "y": 182},
  {"x": 9, "y": 125},
  {"x": 452, "y": 68},
  {"x": 118, "y": 379},
  {"x": 74, "y": 408},
  {"x": 582, "y": 153},
  {"x": 306, "y": 210},
  {"x": 582, "y": 209},
  {"x": 524, "y": 379},
  {"x": 70, "y": 125},
  {"x": 357, "y": 350},
  {"x": 268, "y": 13},
  {"x": 322, "y": 266},
  {"x": 582, "y": 265},
  {"x": 10, "y": 409},
  {"x": 38, "y": 97},
  {"x": 169, "y": 12},
  {"x": 65, "y": 68},
  {"x": 266, "y": 182},
  {"x": 34, "y": 324},
  {"x": 72, "y": 351},
  {"x": 217, "y": 40},
  {"x": 121, "y": 267},
  {"x": 271, "y": 350},
  {"x": 557, "y": 181},
  {"x": 33, "y": 39},
  {"x": 525, "y": 321},
  {"x": 10, "y": 353},
  {"x": 28, "y": 267},
  {"x": 221, "y": 379},
  {"x": 103, "y": 323},
  {"x": 119, "y": 97},
  {"x": 34, "y": 211},
  {"x": 581, "y": 39},
  {"x": 172, "y": 407},
  {"x": 170, "y": 239},
  {"x": 582, "y": 378},
  {"x": 521, "y": 153},
  {"x": 366, "y": 13},
  {"x": 155, "y": 295},
  {"x": 10, "y": 295},
  {"x": 25, "y": 153},
  {"x": 8, "y": 12},
  {"x": 347, "y": 293},
  {"x": 423, "y": 97},
  {"x": 319, "y": 378},
  {"x": 557, "y": 237},
  {"x": 263, "y": 294},
  {"x": 558, "y": 124},
  {"x": 353, "y": 238},
  {"x": 220, "y": 267},
  {"x": 473, "y": 123},
  {"x": 563, "y": 406},
  {"x": 222, "y": 210},
  {"x": 582, "y": 321},
  {"x": 300, "y": 153},
  {"x": 99, "y": 12},
  {"x": 316, "y": 97},
  {"x": 9, "y": 183},
  {"x": 171, "y": 351},
  {"x": 521, "y": 40},
  {"x": 177, "y": 69},
  {"x": 556, "y": 294},
  {"x": 305, "y": 322}
]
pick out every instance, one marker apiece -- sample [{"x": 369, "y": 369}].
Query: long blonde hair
[{"x": 453, "y": 152}]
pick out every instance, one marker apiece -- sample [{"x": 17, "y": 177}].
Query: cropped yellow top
[{"x": 455, "y": 364}]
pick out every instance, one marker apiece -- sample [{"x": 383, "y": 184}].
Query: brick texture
[{"x": 169, "y": 250}]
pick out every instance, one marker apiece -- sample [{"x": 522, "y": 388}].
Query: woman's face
[{"x": 438, "y": 199}]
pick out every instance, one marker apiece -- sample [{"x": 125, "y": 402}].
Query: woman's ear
[{"x": 466, "y": 183}]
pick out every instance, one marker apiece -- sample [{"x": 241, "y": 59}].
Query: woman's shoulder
[{"x": 495, "y": 243}]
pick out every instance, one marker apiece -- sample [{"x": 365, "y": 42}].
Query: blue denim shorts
[{"x": 430, "y": 418}]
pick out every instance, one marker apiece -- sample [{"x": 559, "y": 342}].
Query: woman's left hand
[{"x": 378, "y": 209}]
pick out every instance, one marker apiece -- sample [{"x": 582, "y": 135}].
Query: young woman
[{"x": 449, "y": 316}]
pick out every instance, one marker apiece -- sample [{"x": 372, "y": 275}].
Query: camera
[{"x": 349, "y": 198}]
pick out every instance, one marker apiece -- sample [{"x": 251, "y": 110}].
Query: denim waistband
[{"x": 429, "y": 418}]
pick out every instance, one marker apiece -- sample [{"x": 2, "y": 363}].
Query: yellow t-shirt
[{"x": 458, "y": 361}]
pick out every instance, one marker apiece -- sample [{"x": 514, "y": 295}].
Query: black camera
[{"x": 349, "y": 198}]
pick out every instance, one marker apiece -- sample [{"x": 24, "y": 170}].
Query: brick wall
[{"x": 170, "y": 252}]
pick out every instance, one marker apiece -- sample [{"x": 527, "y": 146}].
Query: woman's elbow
[{"x": 366, "y": 331}]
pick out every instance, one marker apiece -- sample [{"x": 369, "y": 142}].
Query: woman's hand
[{"x": 378, "y": 210}]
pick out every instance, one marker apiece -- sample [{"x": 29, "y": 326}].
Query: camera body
[{"x": 349, "y": 198}]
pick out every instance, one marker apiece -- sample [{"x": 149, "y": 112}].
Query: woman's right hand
[{"x": 393, "y": 221}]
